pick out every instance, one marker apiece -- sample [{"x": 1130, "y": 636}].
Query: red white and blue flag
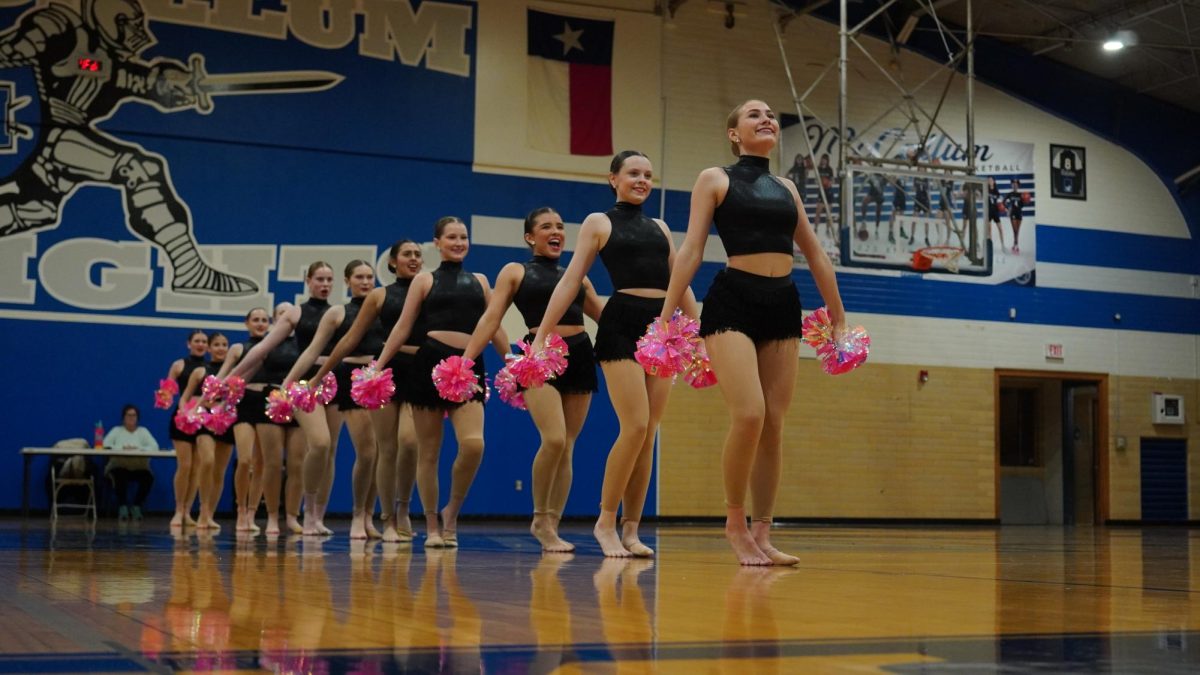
[{"x": 570, "y": 84}]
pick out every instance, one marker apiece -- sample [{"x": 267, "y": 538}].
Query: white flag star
[{"x": 569, "y": 38}]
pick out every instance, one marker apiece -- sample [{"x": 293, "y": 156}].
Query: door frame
[{"x": 1102, "y": 440}]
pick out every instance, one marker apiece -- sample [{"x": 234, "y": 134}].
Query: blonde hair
[{"x": 731, "y": 123}]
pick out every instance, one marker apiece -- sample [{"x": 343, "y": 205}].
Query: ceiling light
[{"x": 1113, "y": 45}]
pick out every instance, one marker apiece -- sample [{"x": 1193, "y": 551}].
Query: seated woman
[{"x": 126, "y": 470}]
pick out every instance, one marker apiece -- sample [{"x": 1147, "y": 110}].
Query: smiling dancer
[
  {"x": 247, "y": 476},
  {"x": 752, "y": 322},
  {"x": 395, "y": 438},
  {"x": 638, "y": 254},
  {"x": 560, "y": 409},
  {"x": 184, "y": 443}
]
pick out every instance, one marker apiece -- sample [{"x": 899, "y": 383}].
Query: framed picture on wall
[{"x": 1068, "y": 172}]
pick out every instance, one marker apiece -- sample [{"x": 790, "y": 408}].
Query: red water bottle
[{"x": 98, "y": 435}]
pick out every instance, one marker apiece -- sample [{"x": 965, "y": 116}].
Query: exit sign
[{"x": 1054, "y": 350}]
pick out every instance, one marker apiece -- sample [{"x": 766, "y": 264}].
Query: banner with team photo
[{"x": 917, "y": 221}]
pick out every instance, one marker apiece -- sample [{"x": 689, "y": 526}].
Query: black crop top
[
  {"x": 533, "y": 295},
  {"x": 190, "y": 363},
  {"x": 455, "y": 301},
  {"x": 278, "y": 363},
  {"x": 393, "y": 307},
  {"x": 637, "y": 252},
  {"x": 311, "y": 311},
  {"x": 372, "y": 341},
  {"x": 758, "y": 214}
]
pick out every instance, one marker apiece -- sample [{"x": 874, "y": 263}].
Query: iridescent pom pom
[
  {"x": 555, "y": 354},
  {"x": 235, "y": 388},
  {"x": 220, "y": 418},
  {"x": 371, "y": 388},
  {"x": 189, "y": 420},
  {"x": 213, "y": 389},
  {"x": 507, "y": 387},
  {"x": 699, "y": 373},
  {"x": 303, "y": 398},
  {"x": 279, "y": 407},
  {"x": 327, "y": 389},
  {"x": 165, "y": 395},
  {"x": 667, "y": 347},
  {"x": 839, "y": 356},
  {"x": 454, "y": 379}
]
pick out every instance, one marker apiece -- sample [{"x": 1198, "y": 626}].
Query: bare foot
[
  {"x": 372, "y": 532},
  {"x": 747, "y": 552},
  {"x": 403, "y": 524},
  {"x": 434, "y": 540},
  {"x": 188, "y": 521},
  {"x": 272, "y": 526},
  {"x": 310, "y": 524},
  {"x": 358, "y": 529},
  {"x": 543, "y": 530},
  {"x": 761, "y": 531},
  {"x": 177, "y": 521},
  {"x": 322, "y": 530},
  {"x": 631, "y": 542},
  {"x": 210, "y": 525},
  {"x": 242, "y": 524},
  {"x": 293, "y": 525},
  {"x": 610, "y": 543},
  {"x": 390, "y": 536}
]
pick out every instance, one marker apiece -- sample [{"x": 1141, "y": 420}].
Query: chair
[{"x": 59, "y": 482}]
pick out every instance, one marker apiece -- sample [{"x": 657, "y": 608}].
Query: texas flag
[{"x": 570, "y": 84}]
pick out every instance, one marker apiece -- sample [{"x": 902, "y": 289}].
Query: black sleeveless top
[
  {"x": 636, "y": 254},
  {"x": 311, "y": 311},
  {"x": 190, "y": 363},
  {"x": 455, "y": 301},
  {"x": 533, "y": 295},
  {"x": 213, "y": 367},
  {"x": 372, "y": 341},
  {"x": 393, "y": 307},
  {"x": 278, "y": 362},
  {"x": 758, "y": 214}
]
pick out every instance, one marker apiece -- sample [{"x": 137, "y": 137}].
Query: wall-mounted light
[{"x": 923, "y": 377}]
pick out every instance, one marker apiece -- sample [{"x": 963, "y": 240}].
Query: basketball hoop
[{"x": 923, "y": 259}]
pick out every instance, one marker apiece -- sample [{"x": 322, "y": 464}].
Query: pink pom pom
[
  {"x": 220, "y": 418},
  {"x": 213, "y": 389},
  {"x": 235, "y": 388},
  {"x": 839, "y": 356},
  {"x": 454, "y": 379},
  {"x": 189, "y": 421},
  {"x": 302, "y": 397},
  {"x": 554, "y": 356},
  {"x": 327, "y": 389},
  {"x": 371, "y": 388},
  {"x": 666, "y": 348},
  {"x": 509, "y": 390},
  {"x": 165, "y": 395},
  {"x": 699, "y": 373},
  {"x": 279, "y": 407}
]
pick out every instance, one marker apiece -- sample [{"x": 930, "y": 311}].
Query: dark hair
[
  {"x": 355, "y": 264},
  {"x": 129, "y": 406},
  {"x": 395, "y": 251},
  {"x": 197, "y": 331},
  {"x": 313, "y": 268},
  {"x": 618, "y": 161},
  {"x": 533, "y": 216},
  {"x": 258, "y": 309},
  {"x": 216, "y": 334},
  {"x": 440, "y": 226}
]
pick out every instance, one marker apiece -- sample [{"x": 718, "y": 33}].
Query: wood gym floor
[{"x": 894, "y": 600}]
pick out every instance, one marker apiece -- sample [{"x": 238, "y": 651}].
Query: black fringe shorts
[
  {"x": 402, "y": 376},
  {"x": 580, "y": 375},
  {"x": 623, "y": 321},
  {"x": 761, "y": 308},
  {"x": 342, "y": 398},
  {"x": 252, "y": 409},
  {"x": 421, "y": 391}
]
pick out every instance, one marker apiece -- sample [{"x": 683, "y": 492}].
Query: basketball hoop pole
[{"x": 843, "y": 56}]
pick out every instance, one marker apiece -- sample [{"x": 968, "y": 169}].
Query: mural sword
[{"x": 206, "y": 85}]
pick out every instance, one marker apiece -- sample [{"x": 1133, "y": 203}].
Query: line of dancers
[{"x": 751, "y": 324}]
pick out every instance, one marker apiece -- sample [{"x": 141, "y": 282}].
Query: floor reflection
[{"x": 875, "y": 600}]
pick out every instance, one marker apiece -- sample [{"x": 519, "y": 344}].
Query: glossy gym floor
[{"x": 893, "y": 600}]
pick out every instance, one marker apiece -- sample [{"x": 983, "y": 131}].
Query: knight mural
[{"x": 86, "y": 65}]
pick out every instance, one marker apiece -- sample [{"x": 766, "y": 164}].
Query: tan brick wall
[
  {"x": 870, "y": 444},
  {"x": 1130, "y": 416},
  {"x": 875, "y": 444}
]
